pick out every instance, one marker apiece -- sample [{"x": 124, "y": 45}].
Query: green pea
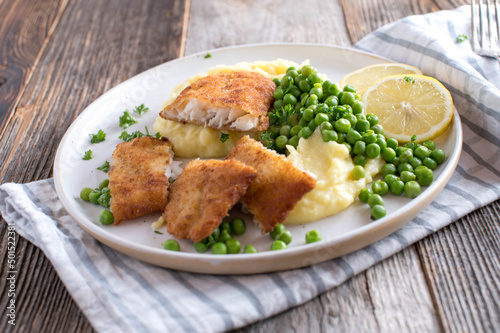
[
  {"x": 94, "y": 196},
  {"x": 312, "y": 236},
  {"x": 380, "y": 187},
  {"x": 293, "y": 73},
  {"x": 305, "y": 132},
  {"x": 372, "y": 150},
  {"x": 378, "y": 211},
  {"x": 278, "y": 245},
  {"x": 326, "y": 126},
  {"x": 289, "y": 99},
  {"x": 352, "y": 119},
  {"x": 406, "y": 156},
  {"x": 285, "y": 236},
  {"x": 308, "y": 114},
  {"x": 438, "y": 155},
  {"x": 388, "y": 154},
  {"x": 412, "y": 189},
  {"x": 421, "y": 152},
  {"x": 285, "y": 130},
  {"x": 103, "y": 184},
  {"x": 369, "y": 137},
  {"x": 362, "y": 125},
  {"x": 294, "y": 141},
  {"x": 361, "y": 116},
  {"x": 396, "y": 161},
  {"x": 286, "y": 81},
  {"x": 390, "y": 178},
  {"x": 378, "y": 129},
  {"x": 388, "y": 169},
  {"x": 321, "y": 118},
  {"x": 200, "y": 247},
  {"x": 349, "y": 147},
  {"x": 278, "y": 93},
  {"x": 304, "y": 86},
  {"x": 381, "y": 143},
  {"x": 359, "y": 147},
  {"x": 278, "y": 229},
  {"x": 249, "y": 249},
  {"x": 430, "y": 163},
  {"x": 375, "y": 199},
  {"x": 333, "y": 90},
  {"x": 316, "y": 91},
  {"x": 233, "y": 246},
  {"x": 219, "y": 248},
  {"x": 349, "y": 88},
  {"x": 281, "y": 141},
  {"x": 425, "y": 177},
  {"x": 415, "y": 162},
  {"x": 357, "y": 107},
  {"x": 215, "y": 234},
  {"x": 238, "y": 226},
  {"x": 407, "y": 176},
  {"x": 353, "y": 136},
  {"x": 104, "y": 199},
  {"x": 429, "y": 144},
  {"x": 85, "y": 193},
  {"x": 347, "y": 98},
  {"x": 342, "y": 125},
  {"x": 405, "y": 167},
  {"x": 308, "y": 70},
  {"x": 224, "y": 236},
  {"x": 392, "y": 143},
  {"x": 277, "y": 81},
  {"x": 397, "y": 187},
  {"x": 329, "y": 135},
  {"x": 358, "y": 172},
  {"x": 295, "y": 130},
  {"x": 332, "y": 101},
  {"x": 365, "y": 194},
  {"x": 278, "y": 104},
  {"x": 171, "y": 245},
  {"x": 359, "y": 160},
  {"x": 373, "y": 119},
  {"x": 106, "y": 217},
  {"x": 314, "y": 78},
  {"x": 326, "y": 84}
]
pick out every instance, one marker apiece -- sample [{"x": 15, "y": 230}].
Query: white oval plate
[{"x": 346, "y": 232}]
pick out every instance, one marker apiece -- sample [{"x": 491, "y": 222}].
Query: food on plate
[
  {"x": 410, "y": 105},
  {"x": 202, "y": 196},
  {"x": 366, "y": 76},
  {"x": 233, "y": 101},
  {"x": 138, "y": 181},
  {"x": 278, "y": 187},
  {"x": 332, "y": 165},
  {"x": 191, "y": 140}
]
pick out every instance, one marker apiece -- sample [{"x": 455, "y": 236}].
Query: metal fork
[{"x": 486, "y": 28}]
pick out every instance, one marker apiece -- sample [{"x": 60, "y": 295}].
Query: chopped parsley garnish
[
  {"x": 88, "y": 155},
  {"x": 462, "y": 38},
  {"x": 137, "y": 134},
  {"x": 141, "y": 109},
  {"x": 171, "y": 181},
  {"x": 282, "y": 115},
  {"x": 224, "y": 137},
  {"x": 127, "y": 120},
  {"x": 208, "y": 55},
  {"x": 409, "y": 79},
  {"x": 99, "y": 137},
  {"x": 104, "y": 167},
  {"x": 157, "y": 232}
]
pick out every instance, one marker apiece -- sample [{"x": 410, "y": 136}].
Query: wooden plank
[
  {"x": 90, "y": 51},
  {"x": 462, "y": 267},
  {"x": 220, "y": 23},
  {"x": 24, "y": 30}
]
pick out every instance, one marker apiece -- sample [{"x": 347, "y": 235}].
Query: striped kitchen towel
[{"x": 120, "y": 294}]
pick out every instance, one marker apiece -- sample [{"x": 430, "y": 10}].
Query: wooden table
[{"x": 57, "y": 56}]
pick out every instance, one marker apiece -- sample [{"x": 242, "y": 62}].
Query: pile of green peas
[
  {"x": 407, "y": 168},
  {"x": 283, "y": 237},
  {"x": 220, "y": 241},
  {"x": 99, "y": 196}
]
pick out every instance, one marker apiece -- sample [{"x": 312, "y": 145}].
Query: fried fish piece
[
  {"x": 278, "y": 187},
  {"x": 203, "y": 195},
  {"x": 137, "y": 179},
  {"x": 232, "y": 101}
]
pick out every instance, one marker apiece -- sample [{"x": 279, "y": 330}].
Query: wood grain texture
[{"x": 95, "y": 45}]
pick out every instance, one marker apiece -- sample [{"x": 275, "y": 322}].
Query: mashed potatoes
[
  {"x": 191, "y": 140},
  {"x": 335, "y": 188}
]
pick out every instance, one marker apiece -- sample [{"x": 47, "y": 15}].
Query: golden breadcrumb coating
[
  {"x": 278, "y": 187},
  {"x": 203, "y": 195},
  {"x": 137, "y": 181}
]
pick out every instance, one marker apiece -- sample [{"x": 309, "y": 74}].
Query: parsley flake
[
  {"x": 462, "y": 38},
  {"x": 141, "y": 109},
  {"x": 128, "y": 137},
  {"x": 99, "y": 137},
  {"x": 224, "y": 137},
  {"x": 158, "y": 232},
  {"x": 127, "y": 120},
  {"x": 104, "y": 167},
  {"x": 88, "y": 155},
  {"x": 409, "y": 79},
  {"x": 208, "y": 55}
]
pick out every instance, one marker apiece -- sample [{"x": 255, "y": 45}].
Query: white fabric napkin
[{"x": 121, "y": 294}]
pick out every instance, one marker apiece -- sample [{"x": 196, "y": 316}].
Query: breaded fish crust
[
  {"x": 202, "y": 196},
  {"x": 278, "y": 187},
  {"x": 232, "y": 101},
  {"x": 137, "y": 181}
]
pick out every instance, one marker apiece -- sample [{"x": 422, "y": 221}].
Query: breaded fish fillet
[
  {"x": 278, "y": 187},
  {"x": 137, "y": 179},
  {"x": 202, "y": 196},
  {"x": 233, "y": 101}
]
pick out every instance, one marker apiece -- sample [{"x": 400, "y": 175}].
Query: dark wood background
[{"x": 57, "y": 56}]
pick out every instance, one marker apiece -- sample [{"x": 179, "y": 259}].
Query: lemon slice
[
  {"x": 410, "y": 105},
  {"x": 362, "y": 78}
]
